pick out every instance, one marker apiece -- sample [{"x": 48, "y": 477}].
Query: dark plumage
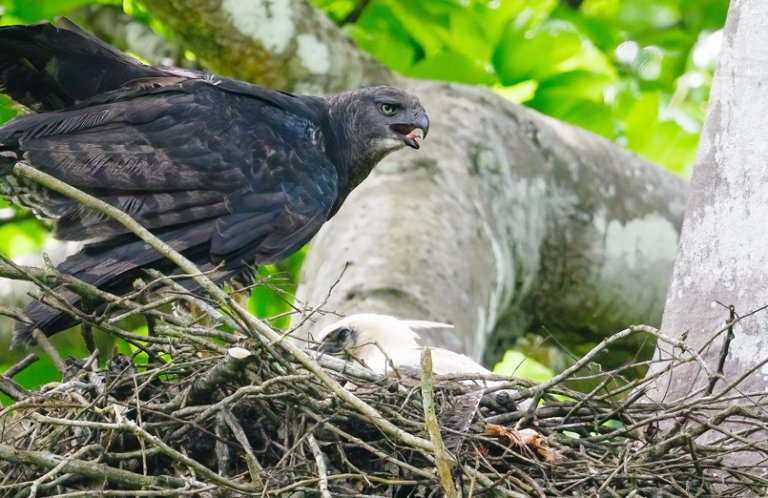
[{"x": 228, "y": 173}]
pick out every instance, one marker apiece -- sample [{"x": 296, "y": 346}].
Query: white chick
[{"x": 382, "y": 342}]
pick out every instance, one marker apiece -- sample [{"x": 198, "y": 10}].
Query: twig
[
  {"x": 92, "y": 470},
  {"x": 21, "y": 365},
  {"x": 254, "y": 468},
  {"x": 443, "y": 459},
  {"x": 587, "y": 358},
  {"x": 187, "y": 461},
  {"x": 138, "y": 493},
  {"x": 322, "y": 471},
  {"x": 723, "y": 351},
  {"x": 74, "y": 456},
  {"x": 13, "y": 389}
]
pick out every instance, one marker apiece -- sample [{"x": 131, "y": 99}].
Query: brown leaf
[{"x": 524, "y": 441}]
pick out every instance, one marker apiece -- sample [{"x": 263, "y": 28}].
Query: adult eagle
[{"x": 228, "y": 173}]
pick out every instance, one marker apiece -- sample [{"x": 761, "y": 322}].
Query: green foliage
[
  {"x": 31, "y": 11},
  {"x": 622, "y": 68},
  {"x": 515, "y": 364},
  {"x": 272, "y": 298}
]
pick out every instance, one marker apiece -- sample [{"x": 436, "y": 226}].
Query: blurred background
[{"x": 634, "y": 71}]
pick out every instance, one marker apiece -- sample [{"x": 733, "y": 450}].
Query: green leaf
[
  {"x": 515, "y": 364},
  {"x": 272, "y": 297},
  {"x": 30, "y": 11},
  {"x": 8, "y": 109},
  {"x": 519, "y": 93},
  {"x": 337, "y": 10},
  {"x": 466, "y": 36},
  {"x": 22, "y": 237},
  {"x": 578, "y": 98},
  {"x": 452, "y": 66},
  {"x": 396, "y": 54},
  {"x": 539, "y": 54},
  {"x": 428, "y": 36},
  {"x": 668, "y": 144}
]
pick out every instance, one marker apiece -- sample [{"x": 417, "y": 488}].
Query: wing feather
[
  {"x": 182, "y": 154},
  {"x": 228, "y": 179}
]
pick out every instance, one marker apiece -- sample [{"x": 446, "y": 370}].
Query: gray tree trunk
[
  {"x": 723, "y": 258},
  {"x": 505, "y": 221}
]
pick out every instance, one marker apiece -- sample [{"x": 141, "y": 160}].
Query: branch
[
  {"x": 444, "y": 461},
  {"x": 322, "y": 471},
  {"x": 93, "y": 470},
  {"x": 288, "y": 45}
]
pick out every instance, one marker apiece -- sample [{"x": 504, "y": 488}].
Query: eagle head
[
  {"x": 400, "y": 117},
  {"x": 375, "y": 340},
  {"x": 378, "y": 120}
]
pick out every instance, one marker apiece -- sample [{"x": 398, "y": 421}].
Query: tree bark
[
  {"x": 285, "y": 44},
  {"x": 723, "y": 259},
  {"x": 505, "y": 221}
]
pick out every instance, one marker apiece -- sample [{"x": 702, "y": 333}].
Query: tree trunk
[
  {"x": 505, "y": 221},
  {"x": 723, "y": 258}
]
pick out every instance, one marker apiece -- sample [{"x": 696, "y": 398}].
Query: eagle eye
[{"x": 388, "y": 109}]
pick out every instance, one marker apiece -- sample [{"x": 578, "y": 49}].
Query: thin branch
[
  {"x": 445, "y": 462},
  {"x": 322, "y": 471},
  {"x": 92, "y": 470}
]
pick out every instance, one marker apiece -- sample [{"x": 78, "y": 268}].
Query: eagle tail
[
  {"x": 113, "y": 267},
  {"x": 47, "y": 319},
  {"x": 46, "y": 67},
  {"x": 93, "y": 265}
]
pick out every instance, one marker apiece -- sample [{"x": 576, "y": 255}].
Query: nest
[
  {"x": 213, "y": 413},
  {"x": 227, "y": 406}
]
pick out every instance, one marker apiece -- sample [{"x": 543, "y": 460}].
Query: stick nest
[
  {"x": 227, "y": 406},
  {"x": 213, "y": 413}
]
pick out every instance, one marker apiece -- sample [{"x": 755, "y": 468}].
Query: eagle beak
[
  {"x": 414, "y": 131},
  {"x": 410, "y": 139}
]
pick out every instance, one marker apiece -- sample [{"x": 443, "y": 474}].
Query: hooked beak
[{"x": 414, "y": 131}]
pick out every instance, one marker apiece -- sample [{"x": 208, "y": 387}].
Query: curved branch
[
  {"x": 504, "y": 221},
  {"x": 286, "y": 44}
]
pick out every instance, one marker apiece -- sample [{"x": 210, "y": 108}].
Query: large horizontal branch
[
  {"x": 504, "y": 221},
  {"x": 286, "y": 44}
]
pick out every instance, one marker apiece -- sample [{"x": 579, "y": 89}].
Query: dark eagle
[{"x": 228, "y": 173}]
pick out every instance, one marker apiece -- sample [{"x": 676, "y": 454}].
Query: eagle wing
[{"x": 244, "y": 175}]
